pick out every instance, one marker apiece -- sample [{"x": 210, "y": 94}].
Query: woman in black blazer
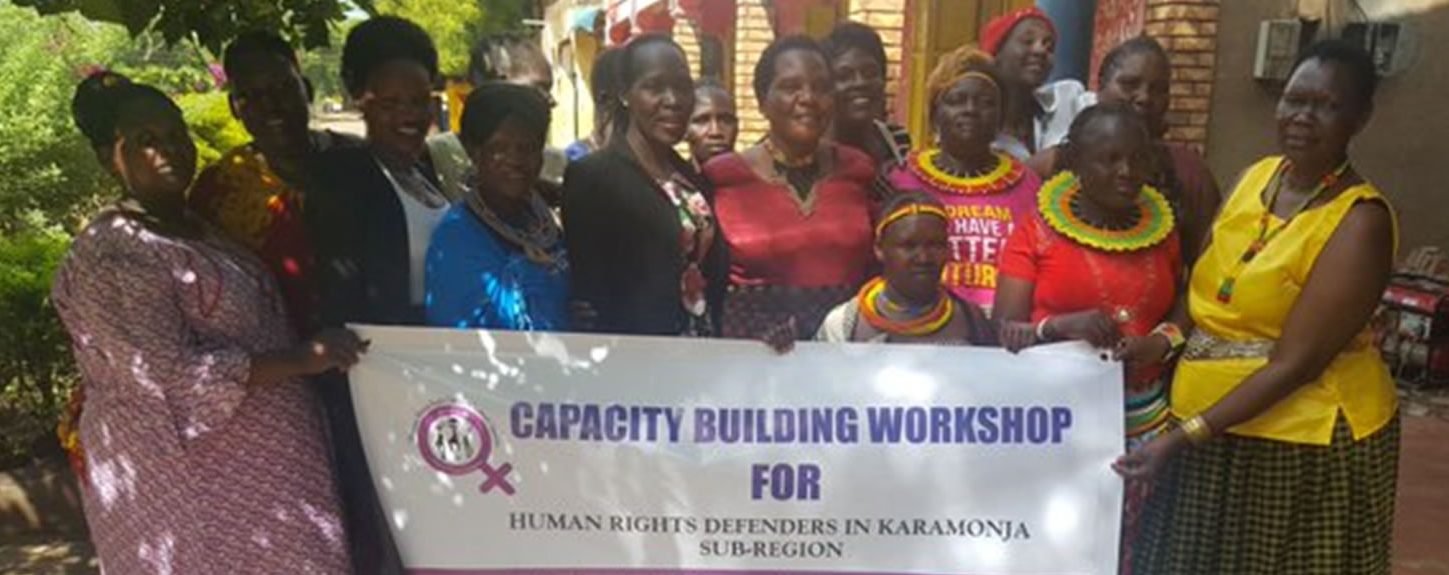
[
  {"x": 644, "y": 248},
  {"x": 370, "y": 218},
  {"x": 376, "y": 205}
]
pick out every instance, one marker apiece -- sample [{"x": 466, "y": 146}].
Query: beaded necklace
[
  {"x": 1328, "y": 181},
  {"x": 538, "y": 239},
  {"x": 1153, "y": 222},
  {"x": 872, "y": 297},
  {"x": 1001, "y": 177}
]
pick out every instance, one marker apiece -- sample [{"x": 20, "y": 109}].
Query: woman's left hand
[
  {"x": 1147, "y": 461},
  {"x": 1151, "y": 348},
  {"x": 780, "y": 337}
]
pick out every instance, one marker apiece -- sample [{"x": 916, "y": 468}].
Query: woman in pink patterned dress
[{"x": 203, "y": 449}]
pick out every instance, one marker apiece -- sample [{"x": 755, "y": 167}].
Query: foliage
[
  {"x": 36, "y": 372},
  {"x": 456, "y": 25},
  {"x": 212, "y": 24},
  {"x": 323, "y": 66},
  {"x": 213, "y": 127},
  {"x": 49, "y": 169},
  {"x": 51, "y": 173}
]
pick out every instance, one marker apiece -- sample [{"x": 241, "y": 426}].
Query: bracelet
[
  {"x": 1175, "y": 339},
  {"x": 1197, "y": 430},
  {"x": 1041, "y": 328}
]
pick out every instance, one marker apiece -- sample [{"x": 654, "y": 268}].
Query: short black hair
[
  {"x": 380, "y": 40},
  {"x": 765, "y": 66},
  {"x": 629, "y": 68},
  {"x": 848, "y": 35},
  {"x": 492, "y": 103},
  {"x": 1352, "y": 57},
  {"x": 499, "y": 57},
  {"x": 100, "y": 102},
  {"x": 256, "y": 43},
  {"x": 1071, "y": 147},
  {"x": 628, "y": 73},
  {"x": 1113, "y": 60}
]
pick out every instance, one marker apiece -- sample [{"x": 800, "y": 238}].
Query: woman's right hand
[
  {"x": 333, "y": 348},
  {"x": 1017, "y": 335},
  {"x": 1091, "y": 326}
]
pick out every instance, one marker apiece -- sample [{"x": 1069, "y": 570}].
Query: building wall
[
  {"x": 752, "y": 34},
  {"x": 888, "y": 17},
  {"x": 1188, "y": 29},
  {"x": 1403, "y": 150}
]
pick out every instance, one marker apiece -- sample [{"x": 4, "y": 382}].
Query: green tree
[
  {"x": 36, "y": 372},
  {"x": 456, "y": 25},
  {"x": 51, "y": 174},
  {"x": 212, "y": 24}
]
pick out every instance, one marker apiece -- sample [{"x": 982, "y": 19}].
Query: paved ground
[
  {"x": 1421, "y": 523},
  {"x": 1421, "y": 542}
]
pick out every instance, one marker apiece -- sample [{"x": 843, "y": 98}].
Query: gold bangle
[{"x": 1197, "y": 430}]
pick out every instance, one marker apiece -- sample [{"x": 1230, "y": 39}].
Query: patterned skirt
[
  {"x": 1147, "y": 417},
  {"x": 1248, "y": 506},
  {"x": 753, "y": 310}
]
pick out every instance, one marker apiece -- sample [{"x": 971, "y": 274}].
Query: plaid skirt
[{"x": 1246, "y": 506}]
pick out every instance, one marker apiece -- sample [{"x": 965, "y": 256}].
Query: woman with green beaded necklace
[{"x": 1100, "y": 264}]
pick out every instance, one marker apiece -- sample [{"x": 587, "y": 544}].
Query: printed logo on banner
[{"x": 455, "y": 439}]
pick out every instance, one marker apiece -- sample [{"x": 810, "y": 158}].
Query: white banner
[{"x": 498, "y": 452}]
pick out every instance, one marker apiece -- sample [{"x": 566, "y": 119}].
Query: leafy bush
[
  {"x": 212, "y": 126},
  {"x": 49, "y": 169},
  {"x": 36, "y": 369}
]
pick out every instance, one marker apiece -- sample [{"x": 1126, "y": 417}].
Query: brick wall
[
  {"x": 1188, "y": 29},
  {"x": 888, "y": 17},
  {"x": 752, "y": 34},
  {"x": 685, "y": 35}
]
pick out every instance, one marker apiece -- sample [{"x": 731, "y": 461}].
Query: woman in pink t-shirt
[{"x": 986, "y": 193}]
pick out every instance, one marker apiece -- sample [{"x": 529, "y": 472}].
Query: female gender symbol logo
[{"x": 455, "y": 440}]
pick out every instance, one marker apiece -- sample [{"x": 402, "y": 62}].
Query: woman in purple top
[
  {"x": 985, "y": 192},
  {"x": 203, "y": 452}
]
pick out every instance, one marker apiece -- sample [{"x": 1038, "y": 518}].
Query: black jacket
[
  {"x": 623, "y": 245},
  {"x": 359, "y": 231}
]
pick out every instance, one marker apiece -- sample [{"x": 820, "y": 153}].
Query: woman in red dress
[
  {"x": 795, "y": 210},
  {"x": 1101, "y": 263}
]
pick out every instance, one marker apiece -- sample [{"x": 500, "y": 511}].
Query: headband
[{"x": 906, "y": 211}]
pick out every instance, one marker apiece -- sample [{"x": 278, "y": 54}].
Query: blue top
[{"x": 476, "y": 279}]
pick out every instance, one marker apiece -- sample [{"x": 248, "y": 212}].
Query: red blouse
[
  {"x": 1069, "y": 277},
  {"x": 776, "y": 239}
]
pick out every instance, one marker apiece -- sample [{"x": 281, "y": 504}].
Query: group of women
[{"x": 1262, "y": 426}]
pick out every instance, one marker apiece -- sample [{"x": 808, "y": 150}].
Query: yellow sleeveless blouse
[{"x": 1356, "y": 383}]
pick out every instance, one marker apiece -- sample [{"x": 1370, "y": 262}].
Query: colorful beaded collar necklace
[
  {"x": 1329, "y": 180},
  {"x": 1002, "y": 177},
  {"x": 1154, "y": 221},
  {"x": 872, "y": 297}
]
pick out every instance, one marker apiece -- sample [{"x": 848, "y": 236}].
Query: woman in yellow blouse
[{"x": 1286, "y": 456}]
